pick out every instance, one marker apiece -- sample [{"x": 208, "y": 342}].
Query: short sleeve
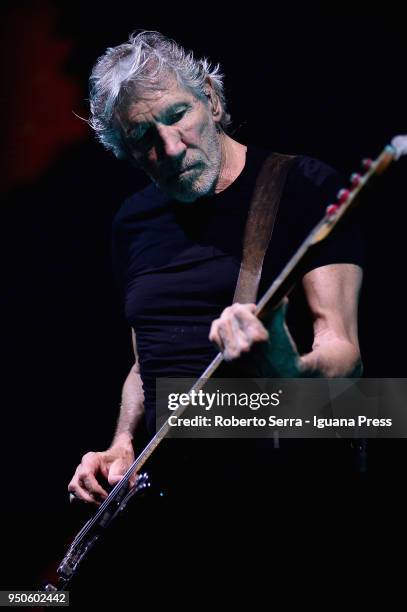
[{"x": 345, "y": 244}]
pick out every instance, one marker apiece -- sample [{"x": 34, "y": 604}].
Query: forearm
[
  {"x": 132, "y": 407},
  {"x": 333, "y": 355},
  {"x": 332, "y": 292}
]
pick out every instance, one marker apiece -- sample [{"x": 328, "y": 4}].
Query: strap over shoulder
[{"x": 260, "y": 223}]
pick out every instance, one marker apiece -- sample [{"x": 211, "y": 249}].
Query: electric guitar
[{"x": 120, "y": 495}]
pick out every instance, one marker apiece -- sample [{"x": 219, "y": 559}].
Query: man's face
[{"x": 172, "y": 136}]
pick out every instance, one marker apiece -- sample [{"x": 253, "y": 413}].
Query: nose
[{"x": 169, "y": 142}]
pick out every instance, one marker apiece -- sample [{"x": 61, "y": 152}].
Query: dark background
[{"x": 326, "y": 84}]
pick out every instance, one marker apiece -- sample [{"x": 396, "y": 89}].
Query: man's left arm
[{"x": 332, "y": 293}]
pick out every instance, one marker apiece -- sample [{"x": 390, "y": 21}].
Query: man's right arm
[
  {"x": 114, "y": 462},
  {"x": 132, "y": 404}
]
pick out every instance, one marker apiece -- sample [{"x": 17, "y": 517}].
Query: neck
[{"x": 232, "y": 162}]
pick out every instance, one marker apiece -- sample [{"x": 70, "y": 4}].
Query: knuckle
[
  {"x": 88, "y": 456},
  {"x": 79, "y": 472},
  {"x": 84, "y": 474}
]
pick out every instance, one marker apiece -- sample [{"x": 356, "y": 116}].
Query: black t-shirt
[{"x": 177, "y": 263}]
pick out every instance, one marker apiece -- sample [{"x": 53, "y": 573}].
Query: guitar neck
[{"x": 283, "y": 284}]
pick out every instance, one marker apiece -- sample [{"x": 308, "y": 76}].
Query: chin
[{"x": 189, "y": 192}]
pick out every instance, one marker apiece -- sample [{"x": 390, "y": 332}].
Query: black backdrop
[{"x": 325, "y": 84}]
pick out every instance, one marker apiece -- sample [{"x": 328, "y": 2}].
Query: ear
[{"x": 215, "y": 105}]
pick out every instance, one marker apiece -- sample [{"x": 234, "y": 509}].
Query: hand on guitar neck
[
  {"x": 270, "y": 351},
  {"x": 263, "y": 351}
]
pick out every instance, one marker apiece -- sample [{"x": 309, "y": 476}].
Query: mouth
[{"x": 179, "y": 173}]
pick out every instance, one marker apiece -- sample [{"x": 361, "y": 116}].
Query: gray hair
[{"x": 144, "y": 61}]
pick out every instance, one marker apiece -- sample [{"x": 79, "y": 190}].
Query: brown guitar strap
[{"x": 260, "y": 223}]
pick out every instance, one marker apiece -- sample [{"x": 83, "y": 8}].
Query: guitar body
[{"x": 95, "y": 529}]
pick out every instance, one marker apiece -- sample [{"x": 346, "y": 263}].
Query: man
[{"x": 178, "y": 243}]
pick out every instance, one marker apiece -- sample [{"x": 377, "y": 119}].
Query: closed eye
[
  {"x": 175, "y": 117},
  {"x": 143, "y": 134}
]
